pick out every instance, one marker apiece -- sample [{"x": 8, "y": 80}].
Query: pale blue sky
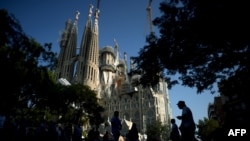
[{"x": 124, "y": 20}]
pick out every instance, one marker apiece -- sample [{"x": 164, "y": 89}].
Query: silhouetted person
[
  {"x": 116, "y": 125},
  {"x": 60, "y": 133},
  {"x": 97, "y": 135},
  {"x": 52, "y": 131},
  {"x": 174, "y": 133},
  {"x": 107, "y": 136},
  {"x": 77, "y": 134},
  {"x": 68, "y": 132},
  {"x": 91, "y": 134},
  {"x": 133, "y": 133},
  {"x": 187, "y": 126}
]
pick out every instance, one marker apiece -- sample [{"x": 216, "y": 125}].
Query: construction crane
[
  {"x": 98, "y": 4},
  {"x": 149, "y": 15}
]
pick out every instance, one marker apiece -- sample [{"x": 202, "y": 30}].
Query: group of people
[
  {"x": 187, "y": 126},
  {"x": 116, "y": 126},
  {"x": 185, "y": 132}
]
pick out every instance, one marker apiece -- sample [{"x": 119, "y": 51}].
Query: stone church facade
[{"x": 111, "y": 76}]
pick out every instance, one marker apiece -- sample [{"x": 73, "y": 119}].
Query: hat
[{"x": 181, "y": 103}]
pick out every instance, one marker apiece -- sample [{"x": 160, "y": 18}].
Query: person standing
[
  {"x": 77, "y": 133},
  {"x": 174, "y": 134},
  {"x": 187, "y": 126},
  {"x": 133, "y": 133},
  {"x": 116, "y": 125}
]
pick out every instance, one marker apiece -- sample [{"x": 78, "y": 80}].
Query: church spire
[
  {"x": 96, "y": 21},
  {"x": 68, "y": 43},
  {"x": 87, "y": 68}
]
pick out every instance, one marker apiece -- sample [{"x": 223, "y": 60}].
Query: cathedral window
[
  {"x": 88, "y": 75},
  {"x": 91, "y": 73}
]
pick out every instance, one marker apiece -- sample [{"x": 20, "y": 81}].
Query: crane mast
[
  {"x": 97, "y": 11},
  {"x": 97, "y": 8},
  {"x": 149, "y": 15},
  {"x": 98, "y": 4}
]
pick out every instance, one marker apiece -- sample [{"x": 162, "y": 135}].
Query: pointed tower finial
[
  {"x": 77, "y": 15},
  {"x": 97, "y": 12},
  {"x": 125, "y": 56},
  {"x": 90, "y": 10},
  {"x": 116, "y": 44},
  {"x": 117, "y": 52}
]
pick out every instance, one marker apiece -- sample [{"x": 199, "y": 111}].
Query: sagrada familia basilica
[{"x": 111, "y": 76}]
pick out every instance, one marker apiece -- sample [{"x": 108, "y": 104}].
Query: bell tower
[
  {"x": 87, "y": 71},
  {"x": 67, "y": 56}
]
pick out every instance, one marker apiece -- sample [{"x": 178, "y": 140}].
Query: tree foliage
[
  {"x": 203, "y": 41},
  {"x": 157, "y": 131},
  {"x": 207, "y": 129},
  {"x": 29, "y": 90},
  {"x": 22, "y": 74},
  {"x": 73, "y": 103}
]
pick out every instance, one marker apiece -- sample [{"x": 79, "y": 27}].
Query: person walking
[
  {"x": 133, "y": 133},
  {"x": 174, "y": 133},
  {"x": 107, "y": 136},
  {"x": 187, "y": 126},
  {"x": 116, "y": 125}
]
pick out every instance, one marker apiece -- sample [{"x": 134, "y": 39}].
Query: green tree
[
  {"x": 206, "y": 43},
  {"x": 157, "y": 131},
  {"x": 73, "y": 104},
  {"x": 29, "y": 90},
  {"x": 207, "y": 129},
  {"x": 81, "y": 101},
  {"x": 22, "y": 75},
  {"x": 202, "y": 41}
]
